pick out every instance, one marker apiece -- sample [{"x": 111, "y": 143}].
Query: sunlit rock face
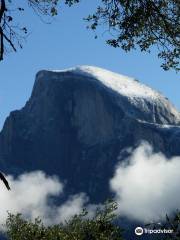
[{"x": 78, "y": 123}]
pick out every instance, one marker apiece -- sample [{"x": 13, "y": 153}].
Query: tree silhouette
[
  {"x": 4, "y": 181},
  {"x": 130, "y": 23}
]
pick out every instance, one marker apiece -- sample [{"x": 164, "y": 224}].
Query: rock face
[{"x": 77, "y": 124}]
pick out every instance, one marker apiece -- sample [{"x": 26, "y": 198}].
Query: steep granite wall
[{"x": 77, "y": 125}]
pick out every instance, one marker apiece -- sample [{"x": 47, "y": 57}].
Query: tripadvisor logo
[{"x": 139, "y": 231}]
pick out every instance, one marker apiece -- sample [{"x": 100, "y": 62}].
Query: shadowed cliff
[{"x": 78, "y": 123}]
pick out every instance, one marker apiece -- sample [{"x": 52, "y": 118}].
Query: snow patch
[
  {"x": 144, "y": 98},
  {"x": 124, "y": 85}
]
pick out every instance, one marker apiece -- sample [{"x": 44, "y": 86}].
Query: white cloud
[
  {"x": 74, "y": 205},
  {"x": 30, "y": 194},
  {"x": 147, "y": 185}
]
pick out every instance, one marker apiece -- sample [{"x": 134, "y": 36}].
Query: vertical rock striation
[{"x": 77, "y": 124}]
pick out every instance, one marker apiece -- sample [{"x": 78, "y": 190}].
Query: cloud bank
[
  {"x": 31, "y": 194},
  {"x": 147, "y": 185}
]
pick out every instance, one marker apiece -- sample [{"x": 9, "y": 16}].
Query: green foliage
[
  {"x": 80, "y": 227},
  {"x": 130, "y": 23},
  {"x": 143, "y": 23},
  {"x": 71, "y": 2}
]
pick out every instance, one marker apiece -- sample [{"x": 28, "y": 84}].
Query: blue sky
[{"x": 66, "y": 43}]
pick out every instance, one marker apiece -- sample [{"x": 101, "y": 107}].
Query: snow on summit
[
  {"x": 141, "y": 98},
  {"x": 120, "y": 83}
]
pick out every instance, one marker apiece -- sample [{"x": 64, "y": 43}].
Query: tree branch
[
  {"x": 10, "y": 42},
  {"x": 1, "y": 44},
  {"x": 2, "y": 10}
]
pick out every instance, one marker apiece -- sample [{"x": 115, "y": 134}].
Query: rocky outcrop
[{"x": 77, "y": 124}]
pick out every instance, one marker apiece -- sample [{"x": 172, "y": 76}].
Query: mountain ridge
[
  {"x": 128, "y": 87},
  {"x": 77, "y": 127}
]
